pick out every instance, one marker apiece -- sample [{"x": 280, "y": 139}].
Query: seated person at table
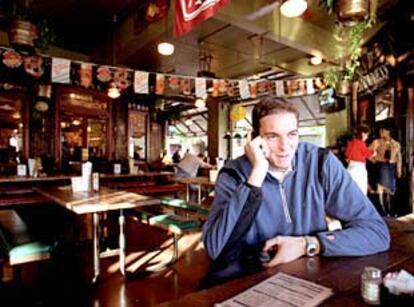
[
  {"x": 188, "y": 166},
  {"x": 270, "y": 204}
]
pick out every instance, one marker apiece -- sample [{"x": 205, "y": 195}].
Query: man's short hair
[
  {"x": 271, "y": 105},
  {"x": 360, "y": 130}
]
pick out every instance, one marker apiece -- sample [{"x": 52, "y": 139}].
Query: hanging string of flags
[{"x": 46, "y": 70}]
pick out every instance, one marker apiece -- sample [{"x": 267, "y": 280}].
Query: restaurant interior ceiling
[{"x": 243, "y": 39}]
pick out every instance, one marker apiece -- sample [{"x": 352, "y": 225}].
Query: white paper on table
[
  {"x": 21, "y": 170},
  {"x": 117, "y": 168},
  {"x": 280, "y": 290},
  {"x": 399, "y": 282}
]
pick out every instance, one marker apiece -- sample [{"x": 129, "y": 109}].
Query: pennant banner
[
  {"x": 200, "y": 87},
  {"x": 159, "y": 84},
  {"x": 60, "y": 70},
  {"x": 24, "y": 68},
  {"x": 141, "y": 82},
  {"x": 21, "y": 68},
  {"x": 244, "y": 89}
]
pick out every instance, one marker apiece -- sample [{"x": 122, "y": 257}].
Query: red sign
[{"x": 190, "y": 13}]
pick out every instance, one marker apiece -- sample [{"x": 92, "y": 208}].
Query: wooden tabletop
[
  {"x": 90, "y": 201},
  {"x": 342, "y": 274},
  {"x": 140, "y": 174},
  {"x": 15, "y": 179},
  {"x": 205, "y": 181},
  {"x": 11, "y": 179}
]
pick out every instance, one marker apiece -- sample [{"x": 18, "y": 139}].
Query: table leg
[
  {"x": 121, "y": 241},
  {"x": 187, "y": 190},
  {"x": 199, "y": 195},
  {"x": 175, "y": 251},
  {"x": 96, "y": 260}
]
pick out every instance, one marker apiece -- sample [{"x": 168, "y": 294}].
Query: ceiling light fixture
[
  {"x": 113, "y": 91},
  {"x": 316, "y": 60},
  {"x": 293, "y": 8},
  {"x": 200, "y": 103},
  {"x": 165, "y": 48}
]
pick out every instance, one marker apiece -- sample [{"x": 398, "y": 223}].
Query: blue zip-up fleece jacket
[{"x": 243, "y": 216}]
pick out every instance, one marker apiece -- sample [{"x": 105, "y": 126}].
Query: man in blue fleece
[{"x": 270, "y": 204}]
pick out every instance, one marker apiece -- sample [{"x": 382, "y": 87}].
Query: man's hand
[
  {"x": 288, "y": 249},
  {"x": 257, "y": 152}
]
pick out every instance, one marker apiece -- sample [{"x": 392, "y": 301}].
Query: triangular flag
[
  {"x": 160, "y": 84},
  {"x": 60, "y": 70},
  {"x": 280, "y": 90},
  {"x": 310, "y": 89},
  {"x": 244, "y": 89},
  {"x": 200, "y": 87},
  {"x": 141, "y": 82}
]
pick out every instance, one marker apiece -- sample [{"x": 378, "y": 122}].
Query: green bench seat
[
  {"x": 17, "y": 246},
  {"x": 180, "y": 203},
  {"x": 158, "y": 190},
  {"x": 173, "y": 215}
]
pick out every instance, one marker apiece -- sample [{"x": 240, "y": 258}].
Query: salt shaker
[{"x": 371, "y": 285}]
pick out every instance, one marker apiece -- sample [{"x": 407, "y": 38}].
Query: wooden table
[
  {"x": 139, "y": 174},
  {"x": 96, "y": 202},
  {"x": 342, "y": 274},
  {"x": 199, "y": 181}
]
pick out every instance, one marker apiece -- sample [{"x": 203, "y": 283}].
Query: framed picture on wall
[{"x": 384, "y": 104}]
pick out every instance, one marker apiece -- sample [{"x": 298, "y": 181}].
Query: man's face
[{"x": 280, "y": 131}]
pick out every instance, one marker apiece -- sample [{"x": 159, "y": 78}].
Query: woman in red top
[{"x": 357, "y": 153}]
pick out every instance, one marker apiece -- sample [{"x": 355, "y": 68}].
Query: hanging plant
[
  {"x": 341, "y": 79},
  {"x": 348, "y": 12},
  {"x": 28, "y": 30}
]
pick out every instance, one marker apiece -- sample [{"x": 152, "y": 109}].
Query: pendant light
[
  {"x": 293, "y": 8},
  {"x": 166, "y": 48},
  {"x": 113, "y": 90}
]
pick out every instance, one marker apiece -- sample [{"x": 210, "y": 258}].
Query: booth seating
[
  {"x": 17, "y": 244},
  {"x": 21, "y": 197},
  {"x": 175, "y": 216},
  {"x": 167, "y": 189}
]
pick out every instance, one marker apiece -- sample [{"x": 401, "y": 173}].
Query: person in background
[
  {"x": 388, "y": 165},
  {"x": 356, "y": 153},
  {"x": 189, "y": 165},
  {"x": 270, "y": 204},
  {"x": 176, "y": 156},
  {"x": 165, "y": 158}
]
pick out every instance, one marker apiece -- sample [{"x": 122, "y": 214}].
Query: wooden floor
[{"x": 47, "y": 285}]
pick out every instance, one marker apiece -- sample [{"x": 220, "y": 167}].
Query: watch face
[
  {"x": 311, "y": 251},
  {"x": 310, "y": 247}
]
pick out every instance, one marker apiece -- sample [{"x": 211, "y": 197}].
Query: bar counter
[{"x": 342, "y": 274}]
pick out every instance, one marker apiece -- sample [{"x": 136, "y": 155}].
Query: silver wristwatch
[{"x": 311, "y": 246}]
